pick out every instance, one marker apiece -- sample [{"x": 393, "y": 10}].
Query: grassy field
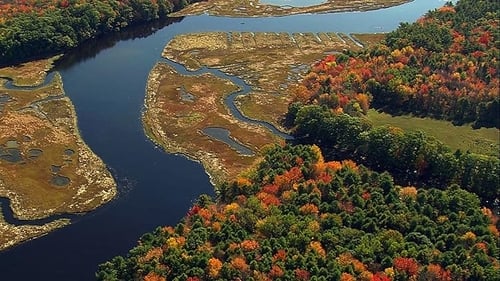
[{"x": 484, "y": 140}]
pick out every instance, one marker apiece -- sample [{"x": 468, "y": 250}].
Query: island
[
  {"x": 262, "y": 8},
  {"x": 46, "y": 168}
]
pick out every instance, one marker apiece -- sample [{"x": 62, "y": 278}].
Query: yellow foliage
[
  {"x": 216, "y": 226},
  {"x": 408, "y": 192},
  {"x": 442, "y": 219},
  {"x": 469, "y": 237},
  {"x": 314, "y": 226},
  {"x": 366, "y": 276},
  {"x": 389, "y": 272},
  {"x": 175, "y": 242},
  {"x": 408, "y": 50},
  {"x": 317, "y": 151},
  {"x": 242, "y": 182},
  {"x": 364, "y": 102},
  {"x": 396, "y": 53},
  {"x": 214, "y": 266},
  {"x": 231, "y": 208},
  {"x": 152, "y": 276},
  {"x": 318, "y": 248}
]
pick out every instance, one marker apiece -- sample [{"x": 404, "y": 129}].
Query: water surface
[{"x": 105, "y": 79}]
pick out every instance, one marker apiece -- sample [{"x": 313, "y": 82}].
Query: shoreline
[
  {"x": 169, "y": 145},
  {"x": 42, "y": 117},
  {"x": 254, "y": 9}
]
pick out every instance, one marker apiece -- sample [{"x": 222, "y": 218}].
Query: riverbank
[
  {"x": 179, "y": 107},
  {"x": 257, "y": 58},
  {"x": 45, "y": 166},
  {"x": 255, "y": 8}
]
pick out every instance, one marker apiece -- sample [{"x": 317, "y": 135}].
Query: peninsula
[
  {"x": 45, "y": 166},
  {"x": 256, "y": 8}
]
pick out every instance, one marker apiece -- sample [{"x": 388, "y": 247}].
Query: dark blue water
[{"x": 105, "y": 80}]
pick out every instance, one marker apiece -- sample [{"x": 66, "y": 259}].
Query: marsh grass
[
  {"x": 30, "y": 73},
  {"x": 176, "y": 124},
  {"x": 253, "y": 8}
]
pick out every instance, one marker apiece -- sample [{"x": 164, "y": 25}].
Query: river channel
[{"x": 106, "y": 79}]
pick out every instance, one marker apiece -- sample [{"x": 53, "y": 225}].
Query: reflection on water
[{"x": 91, "y": 48}]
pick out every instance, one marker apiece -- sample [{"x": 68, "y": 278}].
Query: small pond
[
  {"x": 34, "y": 153},
  {"x": 12, "y": 155},
  {"x": 59, "y": 180},
  {"x": 69, "y": 152}
]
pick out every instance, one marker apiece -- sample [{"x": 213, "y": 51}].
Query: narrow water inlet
[{"x": 224, "y": 135}]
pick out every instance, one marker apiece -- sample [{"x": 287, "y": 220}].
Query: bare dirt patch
[{"x": 254, "y": 8}]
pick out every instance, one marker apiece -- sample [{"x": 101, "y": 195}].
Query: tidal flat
[
  {"x": 256, "y": 8},
  {"x": 45, "y": 167},
  {"x": 178, "y": 107},
  {"x": 270, "y": 63}
]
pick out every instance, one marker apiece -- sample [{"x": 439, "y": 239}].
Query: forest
[
  {"x": 444, "y": 66},
  {"x": 32, "y": 28},
  {"x": 298, "y": 217},
  {"x": 350, "y": 201}
]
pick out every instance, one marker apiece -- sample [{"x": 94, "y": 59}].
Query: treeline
[
  {"x": 413, "y": 158},
  {"x": 311, "y": 211},
  {"x": 297, "y": 217},
  {"x": 30, "y": 29},
  {"x": 443, "y": 66}
]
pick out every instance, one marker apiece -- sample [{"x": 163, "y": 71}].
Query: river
[{"x": 105, "y": 79}]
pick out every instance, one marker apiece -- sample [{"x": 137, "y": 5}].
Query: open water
[{"x": 105, "y": 79}]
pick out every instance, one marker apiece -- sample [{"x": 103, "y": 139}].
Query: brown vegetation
[
  {"x": 253, "y": 8},
  {"x": 45, "y": 167},
  {"x": 176, "y": 123}
]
